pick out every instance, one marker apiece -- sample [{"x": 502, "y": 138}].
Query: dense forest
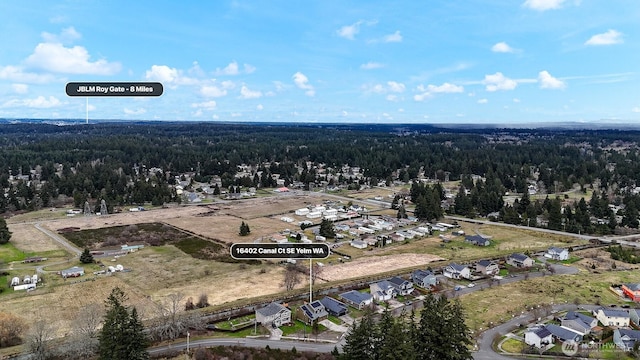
[{"x": 39, "y": 163}]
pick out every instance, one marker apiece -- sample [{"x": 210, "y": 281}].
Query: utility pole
[
  {"x": 188, "y": 357},
  {"x": 310, "y": 281}
]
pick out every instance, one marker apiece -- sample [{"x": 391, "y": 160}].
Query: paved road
[
  {"x": 248, "y": 342},
  {"x": 72, "y": 249}
]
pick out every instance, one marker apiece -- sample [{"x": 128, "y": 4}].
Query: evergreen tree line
[{"x": 440, "y": 333}]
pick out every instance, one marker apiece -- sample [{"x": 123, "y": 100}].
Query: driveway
[{"x": 333, "y": 326}]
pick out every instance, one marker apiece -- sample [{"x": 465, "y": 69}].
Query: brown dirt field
[
  {"x": 226, "y": 227},
  {"x": 268, "y": 206},
  {"x": 29, "y": 239},
  {"x": 602, "y": 260},
  {"x": 372, "y": 265},
  {"x": 128, "y": 218},
  {"x": 372, "y": 193}
]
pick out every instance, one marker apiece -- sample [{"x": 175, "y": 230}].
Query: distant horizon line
[{"x": 602, "y": 124}]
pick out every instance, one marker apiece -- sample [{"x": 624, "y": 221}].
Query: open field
[
  {"x": 500, "y": 303},
  {"x": 29, "y": 239},
  {"x": 370, "y": 265},
  {"x": 226, "y": 227}
]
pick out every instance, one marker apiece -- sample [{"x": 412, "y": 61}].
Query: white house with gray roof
[
  {"x": 356, "y": 298},
  {"x": 274, "y": 313},
  {"x": 556, "y": 253},
  {"x": 611, "y": 317},
  {"x": 519, "y": 260},
  {"x": 457, "y": 271},
  {"x": 625, "y": 339},
  {"x": 539, "y": 337},
  {"x": 382, "y": 290}
]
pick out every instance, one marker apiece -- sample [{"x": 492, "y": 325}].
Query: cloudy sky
[{"x": 436, "y": 61}]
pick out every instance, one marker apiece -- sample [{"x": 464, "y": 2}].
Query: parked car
[
  {"x": 471, "y": 285},
  {"x": 458, "y": 287}
]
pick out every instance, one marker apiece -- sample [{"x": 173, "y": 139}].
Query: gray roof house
[
  {"x": 556, "y": 253},
  {"x": 382, "y": 290},
  {"x": 311, "y": 312},
  {"x": 356, "y": 298},
  {"x": 477, "y": 240},
  {"x": 333, "y": 306},
  {"x": 424, "y": 278},
  {"x": 487, "y": 267},
  {"x": 457, "y": 271},
  {"x": 274, "y": 313},
  {"x": 402, "y": 286},
  {"x": 563, "y": 334},
  {"x": 519, "y": 260},
  {"x": 611, "y": 317},
  {"x": 625, "y": 339},
  {"x": 579, "y": 322},
  {"x": 72, "y": 272},
  {"x": 539, "y": 337}
]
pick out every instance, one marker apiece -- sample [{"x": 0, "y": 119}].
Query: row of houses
[{"x": 574, "y": 326}]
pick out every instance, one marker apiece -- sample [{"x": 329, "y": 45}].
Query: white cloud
[
  {"x": 483, "y": 101},
  {"x": 349, "y": 31},
  {"x": 91, "y": 107},
  {"x": 138, "y": 111},
  {"x": 39, "y": 102},
  {"x": 302, "y": 82},
  {"x": 234, "y": 69},
  {"x": 444, "y": 88},
  {"x": 395, "y": 37},
  {"x": 245, "y": 93},
  {"x": 17, "y": 73},
  {"x": 549, "y": 82},
  {"x": 542, "y": 5},
  {"x": 345, "y": 113},
  {"x": 259, "y": 107},
  {"x": 498, "y": 81},
  {"x": 371, "y": 65},
  {"x": 636, "y": 109},
  {"x": 516, "y": 100},
  {"x": 172, "y": 76},
  {"x": 396, "y": 86},
  {"x": 67, "y": 35},
  {"x": 421, "y": 97},
  {"x": 248, "y": 69},
  {"x": 610, "y": 37},
  {"x": 20, "y": 88},
  {"x": 502, "y": 47},
  {"x": 209, "y": 105},
  {"x": 392, "y": 97},
  {"x": 231, "y": 69},
  {"x": 212, "y": 91},
  {"x": 57, "y": 58},
  {"x": 215, "y": 117}
]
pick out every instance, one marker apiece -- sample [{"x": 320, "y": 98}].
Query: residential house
[
  {"x": 382, "y": 290},
  {"x": 625, "y": 339},
  {"x": 402, "y": 286},
  {"x": 71, "y": 272},
  {"x": 564, "y": 334},
  {"x": 456, "y": 271},
  {"x": 477, "y": 240},
  {"x": 279, "y": 238},
  {"x": 311, "y": 313},
  {"x": 334, "y": 307},
  {"x": 424, "y": 278},
  {"x": 274, "y": 314},
  {"x": 539, "y": 337},
  {"x": 634, "y": 317},
  {"x": 487, "y": 267},
  {"x": 632, "y": 291},
  {"x": 358, "y": 244},
  {"x": 555, "y": 253},
  {"x": 357, "y": 299},
  {"x": 519, "y": 260},
  {"x": 610, "y": 317},
  {"x": 579, "y": 322}
]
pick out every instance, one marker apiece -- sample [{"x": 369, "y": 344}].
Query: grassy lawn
[
  {"x": 503, "y": 272},
  {"x": 228, "y": 325},
  {"x": 296, "y": 328},
  {"x": 9, "y": 253},
  {"x": 335, "y": 320},
  {"x": 513, "y": 346},
  {"x": 500, "y": 303}
]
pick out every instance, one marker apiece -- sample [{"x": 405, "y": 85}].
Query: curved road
[
  {"x": 248, "y": 342},
  {"x": 63, "y": 242}
]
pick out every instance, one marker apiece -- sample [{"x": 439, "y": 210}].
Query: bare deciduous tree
[
  {"x": 11, "y": 329},
  {"x": 316, "y": 270},
  {"x": 38, "y": 340},
  {"x": 171, "y": 320},
  {"x": 203, "y": 301},
  {"x": 291, "y": 277}
]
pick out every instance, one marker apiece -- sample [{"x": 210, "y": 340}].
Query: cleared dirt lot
[
  {"x": 375, "y": 264},
  {"x": 29, "y": 239}
]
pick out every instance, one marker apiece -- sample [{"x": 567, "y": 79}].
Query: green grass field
[{"x": 9, "y": 253}]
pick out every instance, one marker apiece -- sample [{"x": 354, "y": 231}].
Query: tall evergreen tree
[
  {"x": 86, "y": 257},
  {"x": 326, "y": 229},
  {"x": 5, "y": 234},
  {"x": 122, "y": 336}
]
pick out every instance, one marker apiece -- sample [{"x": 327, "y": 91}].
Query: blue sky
[{"x": 436, "y": 61}]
